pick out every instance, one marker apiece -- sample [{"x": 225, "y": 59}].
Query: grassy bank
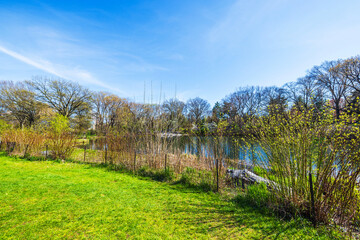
[{"x": 47, "y": 199}]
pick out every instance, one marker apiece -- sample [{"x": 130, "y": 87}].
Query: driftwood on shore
[
  {"x": 253, "y": 178},
  {"x": 248, "y": 177}
]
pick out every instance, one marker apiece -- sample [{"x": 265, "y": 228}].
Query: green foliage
[
  {"x": 295, "y": 144},
  {"x": 163, "y": 175},
  {"x": 59, "y": 124},
  {"x": 90, "y": 133},
  {"x": 4, "y": 125},
  {"x": 260, "y": 171},
  {"x": 61, "y": 139},
  {"x": 199, "y": 179},
  {"x": 258, "y": 195},
  {"x": 157, "y": 175},
  {"x": 81, "y": 122}
]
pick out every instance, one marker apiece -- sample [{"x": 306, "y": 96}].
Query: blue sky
[{"x": 205, "y": 48}]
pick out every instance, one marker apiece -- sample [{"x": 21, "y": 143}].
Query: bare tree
[
  {"x": 107, "y": 110},
  {"x": 305, "y": 93},
  {"x": 329, "y": 76},
  {"x": 174, "y": 110},
  {"x": 275, "y": 100},
  {"x": 350, "y": 70},
  {"x": 245, "y": 102},
  {"x": 173, "y": 107},
  {"x": 197, "y": 109},
  {"x": 64, "y": 96}
]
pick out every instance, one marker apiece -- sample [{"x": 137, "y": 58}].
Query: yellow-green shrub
[
  {"x": 60, "y": 138},
  {"x": 296, "y": 144}
]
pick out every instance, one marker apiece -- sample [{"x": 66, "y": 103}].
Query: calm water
[{"x": 229, "y": 147}]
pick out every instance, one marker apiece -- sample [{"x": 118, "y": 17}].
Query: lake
[{"x": 228, "y": 147}]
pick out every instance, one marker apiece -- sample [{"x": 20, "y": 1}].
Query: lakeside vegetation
[{"x": 307, "y": 135}]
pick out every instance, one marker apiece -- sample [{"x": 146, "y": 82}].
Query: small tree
[{"x": 61, "y": 139}]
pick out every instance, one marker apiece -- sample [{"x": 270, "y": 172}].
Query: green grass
[
  {"x": 82, "y": 141},
  {"x": 52, "y": 200}
]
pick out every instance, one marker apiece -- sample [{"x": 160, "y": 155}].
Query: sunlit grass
[{"x": 51, "y": 200}]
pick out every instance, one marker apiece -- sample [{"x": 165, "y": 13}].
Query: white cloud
[
  {"x": 62, "y": 50},
  {"x": 75, "y": 74},
  {"x": 42, "y": 66}
]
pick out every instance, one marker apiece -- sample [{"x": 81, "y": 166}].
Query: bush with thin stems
[{"x": 297, "y": 145}]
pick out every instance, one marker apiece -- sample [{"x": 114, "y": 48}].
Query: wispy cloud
[
  {"x": 134, "y": 63},
  {"x": 234, "y": 26},
  {"x": 75, "y": 74},
  {"x": 42, "y": 66}
]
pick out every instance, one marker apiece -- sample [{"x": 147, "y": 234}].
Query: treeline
[
  {"x": 333, "y": 85},
  {"x": 34, "y": 103}
]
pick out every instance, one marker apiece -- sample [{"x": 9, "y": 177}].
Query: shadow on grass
[
  {"x": 231, "y": 214},
  {"x": 214, "y": 213}
]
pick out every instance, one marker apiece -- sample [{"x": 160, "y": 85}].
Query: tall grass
[
  {"x": 57, "y": 139},
  {"x": 24, "y": 142}
]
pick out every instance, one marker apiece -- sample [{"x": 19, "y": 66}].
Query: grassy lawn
[{"x": 50, "y": 200}]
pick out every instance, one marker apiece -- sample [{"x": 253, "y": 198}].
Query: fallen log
[{"x": 248, "y": 177}]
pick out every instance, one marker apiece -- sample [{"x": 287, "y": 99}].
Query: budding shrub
[
  {"x": 294, "y": 145},
  {"x": 61, "y": 139}
]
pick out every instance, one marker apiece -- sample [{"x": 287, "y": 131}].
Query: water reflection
[{"x": 227, "y": 147}]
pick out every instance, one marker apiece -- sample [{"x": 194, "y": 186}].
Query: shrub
[
  {"x": 163, "y": 175},
  {"x": 24, "y": 142},
  {"x": 258, "y": 194},
  {"x": 196, "y": 178},
  {"x": 157, "y": 175},
  {"x": 61, "y": 139},
  {"x": 297, "y": 145}
]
